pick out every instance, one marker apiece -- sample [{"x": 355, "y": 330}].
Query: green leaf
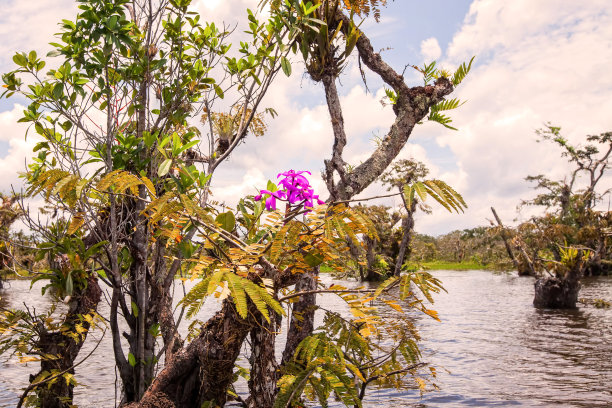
[
  {"x": 164, "y": 168},
  {"x": 219, "y": 91},
  {"x": 420, "y": 190},
  {"x": 69, "y": 284},
  {"x": 286, "y": 66},
  {"x": 187, "y": 146},
  {"x": 236, "y": 288},
  {"x": 131, "y": 359},
  {"x": 154, "y": 329},
  {"x": 408, "y": 195},
  {"x": 462, "y": 72},
  {"x": 134, "y": 309},
  {"x": 227, "y": 220},
  {"x": 58, "y": 90},
  {"x": 313, "y": 259},
  {"x": 20, "y": 60},
  {"x": 271, "y": 186}
]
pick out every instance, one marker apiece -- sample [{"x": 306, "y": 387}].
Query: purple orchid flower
[
  {"x": 296, "y": 189},
  {"x": 271, "y": 201}
]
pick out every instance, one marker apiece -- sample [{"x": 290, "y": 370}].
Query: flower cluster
[{"x": 295, "y": 189}]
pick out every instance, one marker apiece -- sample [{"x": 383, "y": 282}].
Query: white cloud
[
  {"x": 30, "y": 25},
  {"x": 18, "y": 148},
  {"x": 535, "y": 62},
  {"x": 430, "y": 49}
]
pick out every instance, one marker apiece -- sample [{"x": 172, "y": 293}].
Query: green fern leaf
[
  {"x": 462, "y": 72},
  {"x": 236, "y": 288},
  {"x": 441, "y": 119}
]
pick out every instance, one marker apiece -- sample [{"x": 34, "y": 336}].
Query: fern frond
[
  {"x": 448, "y": 104},
  {"x": 46, "y": 180},
  {"x": 445, "y": 195},
  {"x": 194, "y": 299},
  {"x": 462, "y": 72},
  {"x": 121, "y": 180},
  {"x": 291, "y": 387},
  {"x": 441, "y": 119},
  {"x": 237, "y": 291}
]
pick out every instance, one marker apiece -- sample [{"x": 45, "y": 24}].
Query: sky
[{"x": 535, "y": 62}]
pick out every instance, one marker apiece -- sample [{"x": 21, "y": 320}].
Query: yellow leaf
[
  {"x": 149, "y": 186},
  {"x": 365, "y": 331},
  {"x": 421, "y": 384},
  {"x": 393, "y": 305},
  {"x": 432, "y": 313},
  {"x": 76, "y": 223}
]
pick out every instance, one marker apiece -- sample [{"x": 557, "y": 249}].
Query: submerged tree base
[{"x": 556, "y": 293}]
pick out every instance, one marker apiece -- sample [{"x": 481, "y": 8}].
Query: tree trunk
[
  {"x": 59, "y": 393},
  {"x": 526, "y": 267},
  {"x": 505, "y": 238},
  {"x": 202, "y": 371},
  {"x": 560, "y": 292},
  {"x": 265, "y": 371},
  {"x": 302, "y": 317},
  {"x": 372, "y": 275},
  {"x": 404, "y": 249},
  {"x": 556, "y": 293}
]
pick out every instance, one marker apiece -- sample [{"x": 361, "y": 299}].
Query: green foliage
[
  {"x": 462, "y": 72},
  {"x": 571, "y": 222},
  {"x": 70, "y": 261},
  {"x": 128, "y": 178},
  {"x": 316, "y": 31},
  {"x": 235, "y": 286},
  {"x": 343, "y": 357},
  {"x": 441, "y": 192},
  {"x": 430, "y": 73},
  {"x": 320, "y": 364}
]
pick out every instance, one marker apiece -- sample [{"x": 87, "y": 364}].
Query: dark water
[{"x": 492, "y": 349}]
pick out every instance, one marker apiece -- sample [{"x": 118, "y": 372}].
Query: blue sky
[{"x": 535, "y": 62}]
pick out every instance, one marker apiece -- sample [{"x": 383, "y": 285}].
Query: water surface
[{"x": 492, "y": 349}]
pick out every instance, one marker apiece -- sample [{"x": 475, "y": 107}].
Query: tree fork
[{"x": 203, "y": 370}]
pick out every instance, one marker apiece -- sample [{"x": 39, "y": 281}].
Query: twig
[{"x": 309, "y": 292}]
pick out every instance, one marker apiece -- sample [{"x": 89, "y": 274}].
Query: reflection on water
[{"x": 492, "y": 349}]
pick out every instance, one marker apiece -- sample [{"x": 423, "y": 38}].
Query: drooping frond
[
  {"x": 123, "y": 181},
  {"x": 237, "y": 287},
  {"x": 444, "y": 194},
  {"x": 442, "y": 119}
]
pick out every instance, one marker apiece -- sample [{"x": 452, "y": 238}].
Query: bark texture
[
  {"x": 302, "y": 316},
  {"x": 412, "y": 106},
  {"x": 202, "y": 371},
  {"x": 560, "y": 292},
  {"x": 59, "y": 394},
  {"x": 556, "y": 293},
  {"x": 265, "y": 371},
  {"x": 404, "y": 248}
]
